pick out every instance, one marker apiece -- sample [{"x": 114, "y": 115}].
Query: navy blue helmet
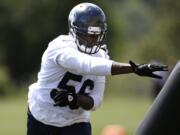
[{"x": 87, "y": 24}]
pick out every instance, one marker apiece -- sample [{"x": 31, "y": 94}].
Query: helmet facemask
[{"x": 89, "y": 41}]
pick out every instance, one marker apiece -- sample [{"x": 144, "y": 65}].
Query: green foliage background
[{"x": 140, "y": 30}]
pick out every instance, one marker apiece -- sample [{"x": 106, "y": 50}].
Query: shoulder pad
[
  {"x": 63, "y": 41},
  {"x": 104, "y": 51},
  {"x": 104, "y": 48}
]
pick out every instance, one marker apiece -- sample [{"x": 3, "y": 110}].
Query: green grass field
[{"x": 127, "y": 112}]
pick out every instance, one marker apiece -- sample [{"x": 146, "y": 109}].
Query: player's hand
[
  {"x": 63, "y": 97},
  {"x": 148, "y": 69}
]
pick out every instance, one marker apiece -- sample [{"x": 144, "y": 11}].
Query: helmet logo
[{"x": 94, "y": 30}]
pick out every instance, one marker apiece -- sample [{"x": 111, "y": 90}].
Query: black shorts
[{"x": 35, "y": 127}]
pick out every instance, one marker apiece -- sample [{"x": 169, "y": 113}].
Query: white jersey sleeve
[{"x": 81, "y": 63}]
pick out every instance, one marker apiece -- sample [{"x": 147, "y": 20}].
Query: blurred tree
[
  {"x": 167, "y": 27},
  {"x": 31, "y": 26},
  {"x": 27, "y": 27}
]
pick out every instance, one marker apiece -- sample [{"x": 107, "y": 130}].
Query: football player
[{"x": 71, "y": 80}]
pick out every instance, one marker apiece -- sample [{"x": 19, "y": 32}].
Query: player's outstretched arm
[{"x": 139, "y": 69}]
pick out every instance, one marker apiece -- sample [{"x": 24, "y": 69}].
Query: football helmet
[{"x": 87, "y": 24}]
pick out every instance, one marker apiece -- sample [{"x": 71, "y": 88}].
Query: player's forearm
[
  {"x": 86, "y": 102},
  {"x": 85, "y": 64},
  {"x": 121, "y": 68}
]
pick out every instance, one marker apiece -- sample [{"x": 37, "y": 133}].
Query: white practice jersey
[{"x": 63, "y": 66}]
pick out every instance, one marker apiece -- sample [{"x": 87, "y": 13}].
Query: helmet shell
[{"x": 87, "y": 23}]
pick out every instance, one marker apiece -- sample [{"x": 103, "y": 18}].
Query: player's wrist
[
  {"x": 121, "y": 68},
  {"x": 72, "y": 98}
]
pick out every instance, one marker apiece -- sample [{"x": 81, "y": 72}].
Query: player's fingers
[
  {"x": 159, "y": 67},
  {"x": 53, "y": 93},
  {"x": 155, "y": 76},
  {"x": 59, "y": 102},
  {"x": 60, "y": 96},
  {"x": 133, "y": 65}
]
